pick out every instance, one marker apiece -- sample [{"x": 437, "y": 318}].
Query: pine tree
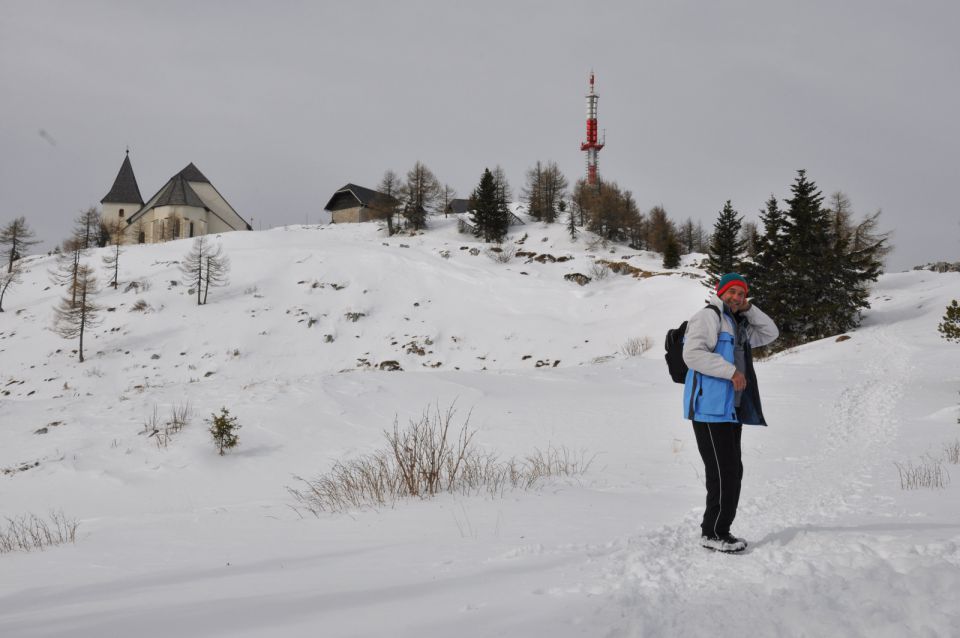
[
  {"x": 726, "y": 246},
  {"x": 223, "y": 429},
  {"x": 486, "y": 216},
  {"x": 949, "y": 328},
  {"x": 500, "y": 222},
  {"x": 18, "y": 237},
  {"x": 671, "y": 253},
  {"x": 765, "y": 272},
  {"x": 809, "y": 283}
]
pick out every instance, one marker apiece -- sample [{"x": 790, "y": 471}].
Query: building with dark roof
[
  {"x": 352, "y": 204},
  {"x": 188, "y": 205},
  {"x": 124, "y": 197}
]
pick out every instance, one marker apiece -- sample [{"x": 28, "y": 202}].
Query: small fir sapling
[{"x": 223, "y": 429}]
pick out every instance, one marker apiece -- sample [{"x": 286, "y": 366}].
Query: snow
[{"x": 181, "y": 541}]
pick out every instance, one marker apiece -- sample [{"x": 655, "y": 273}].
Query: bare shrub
[
  {"x": 599, "y": 271},
  {"x": 426, "y": 458},
  {"x": 636, "y": 346},
  {"x": 929, "y": 473},
  {"x": 502, "y": 255},
  {"x": 141, "y": 285},
  {"x": 596, "y": 243},
  {"x": 29, "y": 532},
  {"x": 140, "y": 306}
]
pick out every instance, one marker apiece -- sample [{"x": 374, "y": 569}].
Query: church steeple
[{"x": 125, "y": 189}]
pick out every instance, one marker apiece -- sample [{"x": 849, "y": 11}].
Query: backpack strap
[{"x": 719, "y": 316}]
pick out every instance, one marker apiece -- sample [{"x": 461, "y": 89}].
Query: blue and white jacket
[{"x": 708, "y": 351}]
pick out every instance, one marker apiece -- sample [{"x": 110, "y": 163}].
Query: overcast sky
[{"x": 281, "y": 103}]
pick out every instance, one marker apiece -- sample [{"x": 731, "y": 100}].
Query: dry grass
[
  {"x": 636, "y": 346},
  {"x": 162, "y": 432},
  {"x": 426, "y": 458},
  {"x": 29, "y": 532},
  {"x": 951, "y": 452},
  {"x": 928, "y": 473}
]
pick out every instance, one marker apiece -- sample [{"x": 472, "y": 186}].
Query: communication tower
[{"x": 592, "y": 146}]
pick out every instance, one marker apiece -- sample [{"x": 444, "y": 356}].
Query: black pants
[{"x": 719, "y": 445}]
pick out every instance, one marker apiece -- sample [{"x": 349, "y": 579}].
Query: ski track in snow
[{"x": 664, "y": 584}]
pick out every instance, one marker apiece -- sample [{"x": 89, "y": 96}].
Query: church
[{"x": 188, "y": 205}]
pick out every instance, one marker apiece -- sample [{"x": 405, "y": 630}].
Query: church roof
[
  {"x": 192, "y": 174},
  {"x": 177, "y": 192},
  {"x": 125, "y": 189}
]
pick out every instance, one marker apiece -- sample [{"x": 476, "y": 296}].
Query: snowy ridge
[{"x": 179, "y": 540}]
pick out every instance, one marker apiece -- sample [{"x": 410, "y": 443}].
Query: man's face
[{"x": 735, "y": 297}]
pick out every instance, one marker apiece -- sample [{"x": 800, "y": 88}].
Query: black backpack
[{"x": 674, "y": 348}]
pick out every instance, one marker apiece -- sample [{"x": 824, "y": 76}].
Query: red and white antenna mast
[{"x": 592, "y": 146}]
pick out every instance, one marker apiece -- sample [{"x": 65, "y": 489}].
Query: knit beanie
[{"x": 729, "y": 280}]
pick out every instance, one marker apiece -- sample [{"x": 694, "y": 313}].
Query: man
[{"x": 720, "y": 394}]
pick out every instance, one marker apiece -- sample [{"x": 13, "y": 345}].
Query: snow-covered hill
[{"x": 178, "y": 540}]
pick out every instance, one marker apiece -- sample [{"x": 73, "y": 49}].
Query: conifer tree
[
  {"x": 687, "y": 235},
  {"x": 659, "y": 229},
  {"x": 420, "y": 193},
  {"x": 750, "y": 236},
  {"x": 223, "y": 429},
  {"x": 17, "y": 238},
  {"x": 809, "y": 284},
  {"x": 859, "y": 253},
  {"x": 489, "y": 215},
  {"x": 726, "y": 246},
  {"x": 217, "y": 271},
  {"x": 386, "y": 202},
  {"x": 571, "y": 219},
  {"x": 204, "y": 266},
  {"x": 671, "y": 252},
  {"x": 949, "y": 328},
  {"x": 533, "y": 192},
  {"x": 8, "y": 279},
  {"x": 75, "y": 315},
  {"x": 764, "y": 271},
  {"x": 546, "y": 186},
  {"x": 112, "y": 259}
]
